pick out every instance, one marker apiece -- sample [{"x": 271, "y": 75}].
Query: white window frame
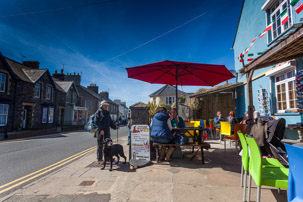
[
  {"x": 4, "y": 114},
  {"x": 51, "y": 112},
  {"x": 285, "y": 81},
  {"x": 38, "y": 84},
  {"x": 279, "y": 7},
  {"x": 170, "y": 100},
  {"x": 3, "y": 76},
  {"x": 44, "y": 117},
  {"x": 49, "y": 94}
]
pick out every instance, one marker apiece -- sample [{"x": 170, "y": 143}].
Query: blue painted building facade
[{"x": 279, "y": 80}]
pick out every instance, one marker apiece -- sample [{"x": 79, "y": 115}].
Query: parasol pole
[{"x": 177, "y": 90}]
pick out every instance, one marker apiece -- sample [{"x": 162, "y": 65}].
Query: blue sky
[{"x": 100, "y": 38}]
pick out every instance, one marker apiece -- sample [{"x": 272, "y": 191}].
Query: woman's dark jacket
[{"x": 104, "y": 122}]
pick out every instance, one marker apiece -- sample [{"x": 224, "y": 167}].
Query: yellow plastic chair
[
  {"x": 225, "y": 130},
  {"x": 235, "y": 137},
  {"x": 190, "y": 133}
]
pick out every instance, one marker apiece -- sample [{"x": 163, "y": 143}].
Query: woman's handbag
[{"x": 180, "y": 138}]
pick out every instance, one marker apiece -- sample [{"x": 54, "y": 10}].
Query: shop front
[{"x": 79, "y": 115}]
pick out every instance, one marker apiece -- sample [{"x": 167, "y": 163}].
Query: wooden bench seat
[{"x": 202, "y": 146}]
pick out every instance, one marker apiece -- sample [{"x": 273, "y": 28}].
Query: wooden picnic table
[
  {"x": 195, "y": 129},
  {"x": 202, "y": 146}
]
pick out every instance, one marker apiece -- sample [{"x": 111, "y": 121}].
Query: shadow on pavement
[{"x": 215, "y": 158}]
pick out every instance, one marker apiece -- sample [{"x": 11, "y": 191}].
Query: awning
[
  {"x": 286, "y": 49},
  {"x": 80, "y": 108},
  {"x": 217, "y": 90}
]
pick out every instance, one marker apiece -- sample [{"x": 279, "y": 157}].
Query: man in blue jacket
[{"x": 161, "y": 132}]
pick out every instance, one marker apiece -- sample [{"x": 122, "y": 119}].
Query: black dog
[{"x": 111, "y": 150}]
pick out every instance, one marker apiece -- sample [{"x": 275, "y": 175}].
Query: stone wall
[{"x": 7, "y": 97}]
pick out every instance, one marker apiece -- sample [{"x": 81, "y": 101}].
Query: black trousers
[{"x": 100, "y": 148}]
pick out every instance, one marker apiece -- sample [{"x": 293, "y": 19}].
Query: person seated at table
[
  {"x": 161, "y": 132},
  {"x": 217, "y": 120},
  {"x": 176, "y": 121},
  {"x": 232, "y": 120},
  {"x": 256, "y": 114},
  {"x": 244, "y": 118}
]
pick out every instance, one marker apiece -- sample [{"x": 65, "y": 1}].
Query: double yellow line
[{"x": 24, "y": 179}]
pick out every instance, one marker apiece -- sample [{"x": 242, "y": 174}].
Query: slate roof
[
  {"x": 124, "y": 106},
  {"x": 139, "y": 105},
  {"x": 207, "y": 91},
  {"x": 166, "y": 90},
  {"x": 34, "y": 74},
  {"x": 25, "y": 73},
  {"x": 17, "y": 69},
  {"x": 64, "y": 85},
  {"x": 97, "y": 96}
]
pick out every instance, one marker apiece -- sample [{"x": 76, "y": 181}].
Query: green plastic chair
[
  {"x": 269, "y": 176},
  {"x": 266, "y": 162}
]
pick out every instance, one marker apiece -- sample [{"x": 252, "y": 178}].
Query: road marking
[
  {"x": 39, "y": 137},
  {"x": 46, "y": 169},
  {"x": 12, "y": 141}
]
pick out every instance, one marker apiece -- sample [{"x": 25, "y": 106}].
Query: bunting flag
[
  {"x": 294, "y": 2},
  {"x": 261, "y": 35},
  {"x": 253, "y": 40},
  {"x": 269, "y": 26},
  {"x": 297, "y": 5},
  {"x": 284, "y": 16},
  {"x": 246, "y": 50},
  {"x": 250, "y": 57}
]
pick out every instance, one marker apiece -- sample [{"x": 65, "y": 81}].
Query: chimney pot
[{"x": 61, "y": 71}]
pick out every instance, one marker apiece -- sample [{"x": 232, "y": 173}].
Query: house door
[
  {"x": 24, "y": 123},
  {"x": 61, "y": 117}
]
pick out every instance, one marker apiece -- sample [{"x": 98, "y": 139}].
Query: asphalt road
[{"x": 19, "y": 158}]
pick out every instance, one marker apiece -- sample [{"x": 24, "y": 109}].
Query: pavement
[{"x": 218, "y": 180}]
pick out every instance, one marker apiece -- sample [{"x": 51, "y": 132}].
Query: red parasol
[{"x": 180, "y": 73}]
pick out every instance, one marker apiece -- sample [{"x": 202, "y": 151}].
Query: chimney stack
[
  {"x": 59, "y": 76},
  {"x": 32, "y": 64},
  {"x": 93, "y": 87},
  {"x": 75, "y": 78},
  {"x": 104, "y": 94}
]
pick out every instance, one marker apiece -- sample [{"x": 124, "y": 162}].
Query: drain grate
[
  {"x": 94, "y": 165},
  {"x": 87, "y": 183}
]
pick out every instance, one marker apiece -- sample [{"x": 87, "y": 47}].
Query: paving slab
[{"x": 218, "y": 180}]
